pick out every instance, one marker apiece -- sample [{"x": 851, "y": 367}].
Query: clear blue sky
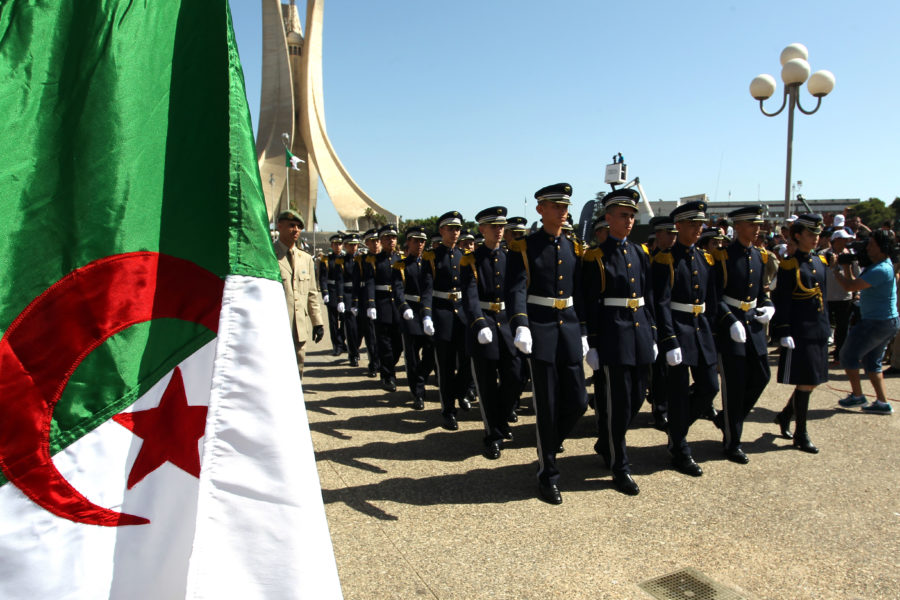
[{"x": 434, "y": 106}]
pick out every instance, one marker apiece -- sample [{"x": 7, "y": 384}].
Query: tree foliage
[{"x": 873, "y": 212}]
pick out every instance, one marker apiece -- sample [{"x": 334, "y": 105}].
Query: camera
[{"x": 856, "y": 253}]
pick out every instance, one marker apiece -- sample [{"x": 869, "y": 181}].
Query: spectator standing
[
  {"x": 878, "y": 322},
  {"x": 839, "y": 299}
]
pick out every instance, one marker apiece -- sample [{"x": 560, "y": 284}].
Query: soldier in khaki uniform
[{"x": 301, "y": 291}]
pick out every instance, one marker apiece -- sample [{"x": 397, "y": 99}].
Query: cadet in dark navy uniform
[
  {"x": 685, "y": 293},
  {"x": 622, "y": 335},
  {"x": 328, "y": 272},
  {"x": 744, "y": 309},
  {"x": 489, "y": 341},
  {"x": 408, "y": 283},
  {"x": 381, "y": 308},
  {"x": 516, "y": 228},
  {"x": 349, "y": 294},
  {"x": 544, "y": 299},
  {"x": 801, "y": 324},
  {"x": 664, "y": 234},
  {"x": 364, "y": 323},
  {"x": 442, "y": 302}
]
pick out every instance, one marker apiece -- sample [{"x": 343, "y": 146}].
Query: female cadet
[{"x": 801, "y": 325}]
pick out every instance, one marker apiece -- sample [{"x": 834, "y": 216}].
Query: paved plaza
[{"x": 416, "y": 512}]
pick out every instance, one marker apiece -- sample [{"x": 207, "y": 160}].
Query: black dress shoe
[
  {"x": 465, "y": 404},
  {"x": 508, "y": 435},
  {"x": 686, "y": 465},
  {"x": 419, "y": 403},
  {"x": 801, "y": 442},
  {"x": 785, "y": 425},
  {"x": 737, "y": 456},
  {"x": 372, "y": 373},
  {"x": 561, "y": 449},
  {"x": 719, "y": 421},
  {"x": 625, "y": 484},
  {"x": 512, "y": 418},
  {"x": 450, "y": 423},
  {"x": 389, "y": 385},
  {"x": 354, "y": 362},
  {"x": 660, "y": 422},
  {"x": 335, "y": 351},
  {"x": 492, "y": 451},
  {"x": 550, "y": 493}
]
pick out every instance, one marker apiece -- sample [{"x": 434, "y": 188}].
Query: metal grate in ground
[{"x": 688, "y": 584}]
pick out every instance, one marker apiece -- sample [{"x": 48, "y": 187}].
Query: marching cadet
[
  {"x": 466, "y": 241},
  {"x": 516, "y": 228},
  {"x": 381, "y": 308},
  {"x": 801, "y": 325},
  {"x": 684, "y": 290},
  {"x": 601, "y": 231},
  {"x": 544, "y": 298},
  {"x": 408, "y": 283},
  {"x": 622, "y": 335},
  {"x": 744, "y": 309},
  {"x": 665, "y": 233},
  {"x": 363, "y": 322},
  {"x": 489, "y": 341},
  {"x": 435, "y": 241},
  {"x": 349, "y": 294},
  {"x": 333, "y": 299},
  {"x": 441, "y": 302}
]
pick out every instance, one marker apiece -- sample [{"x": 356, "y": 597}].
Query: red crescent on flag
[{"x": 50, "y": 338}]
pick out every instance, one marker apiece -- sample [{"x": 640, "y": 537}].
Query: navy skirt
[{"x": 807, "y": 364}]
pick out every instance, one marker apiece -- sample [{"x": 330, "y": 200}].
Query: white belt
[
  {"x": 348, "y": 286},
  {"x": 330, "y": 281},
  {"x": 494, "y": 306},
  {"x": 745, "y": 306},
  {"x": 557, "y": 303},
  {"x": 382, "y": 288},
  {"x": 695, "y": 309},
  {"x": 412, "y": 298},
  {"x": 632, "y": 303},
  {"x": 451, "y": 296}
]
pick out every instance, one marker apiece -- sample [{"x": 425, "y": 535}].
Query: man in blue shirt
[{"x": 878, "y": 324}]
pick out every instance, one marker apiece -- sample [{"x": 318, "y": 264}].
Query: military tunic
[
  {"x": 379, "y": 296},
  {"x": 408, "y": 282}
]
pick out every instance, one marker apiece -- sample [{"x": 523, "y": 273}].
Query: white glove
[
  {"x": 593, "y": 359},
  {"x": 408, "y": 315},
  {"x": 673, "y": 357},
  {"x": 787, "y": 342},
  {"x": 371, "y": 313},
  {"x": 764, "y": 314},
  {"x": 325, "y": 298},
  {"x": 428, "y": 326},
  {"x": 485, "y": 336},
  {"x": 584, "y": 346},
  {"x": 655, "y": 352},
  {"x": 354, "y": 311},
  {"x": 523, "y": 339},
  {"x": 737, "y": 332},
  {"x": 341, "y": 308}
]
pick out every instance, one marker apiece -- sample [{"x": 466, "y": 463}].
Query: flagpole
[{"x": 286, "y": 139}]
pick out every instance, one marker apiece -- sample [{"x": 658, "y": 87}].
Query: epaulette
[
  {"x": 519, "y": 245},
  {"x": 428, "y": 255},
  {"x": 579, "y": 247},
  {"x": 720, "y": 254},
  {"x": 339, "y": 261},
  {"x": 824, "y": 259},
  {"x": 764, "y": 255},
  {"x": 359, "y": 258},
  {"x": 709, "y": 258},
  {"x": 398, "y": 265},
  {"x": 788, "y": 264},
  {"x": 645, "y": 249},
  {"x": 663, "y": 257},
  {"x": 467, "y": 260},
  {"x": 370, "y": 258},
  {"x": 593, "y": 254}
]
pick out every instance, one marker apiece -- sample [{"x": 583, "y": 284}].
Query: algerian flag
[
  {"x": 291, "y": 161},
  {"x": 153, "y": 437}
]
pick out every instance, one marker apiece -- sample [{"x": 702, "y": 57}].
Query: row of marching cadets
[{"x": 667, "y": 324}]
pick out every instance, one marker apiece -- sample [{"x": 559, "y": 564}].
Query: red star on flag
[{"x": 170, "y": 432}]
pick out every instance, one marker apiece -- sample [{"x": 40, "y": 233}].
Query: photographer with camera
[
  {"x": 879, "y": 322},
  {"x": 840, "y": 300}
]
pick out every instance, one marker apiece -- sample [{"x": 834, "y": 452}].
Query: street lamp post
[{"x": 794, "y": 72}]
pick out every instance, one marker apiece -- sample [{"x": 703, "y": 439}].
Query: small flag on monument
[
  {"x": 292, "y": 161},
  {"x": 153, "y": 435}
]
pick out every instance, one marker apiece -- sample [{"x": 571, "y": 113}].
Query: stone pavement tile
[{"x": 416, "y": 512}]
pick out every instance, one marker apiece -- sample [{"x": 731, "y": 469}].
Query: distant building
[{"x": 720, "y": 210}]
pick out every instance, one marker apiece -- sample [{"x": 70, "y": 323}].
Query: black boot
[
  {"x": 783, "y": 419},
  {"x": 801, "y": 438}
]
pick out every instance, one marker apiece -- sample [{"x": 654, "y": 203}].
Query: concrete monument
[{"x": 291, "y": 102}]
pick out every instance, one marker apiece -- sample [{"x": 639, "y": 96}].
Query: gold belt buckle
[
  {"x": 453, "y": 296},
  {"x": 495, "y": 306},
  {"x": 745, "y": 306},
  {"x": 559, "y": 303},
  {"x": 697, "y": 309},
  {"x": 633, "y": 303}
]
